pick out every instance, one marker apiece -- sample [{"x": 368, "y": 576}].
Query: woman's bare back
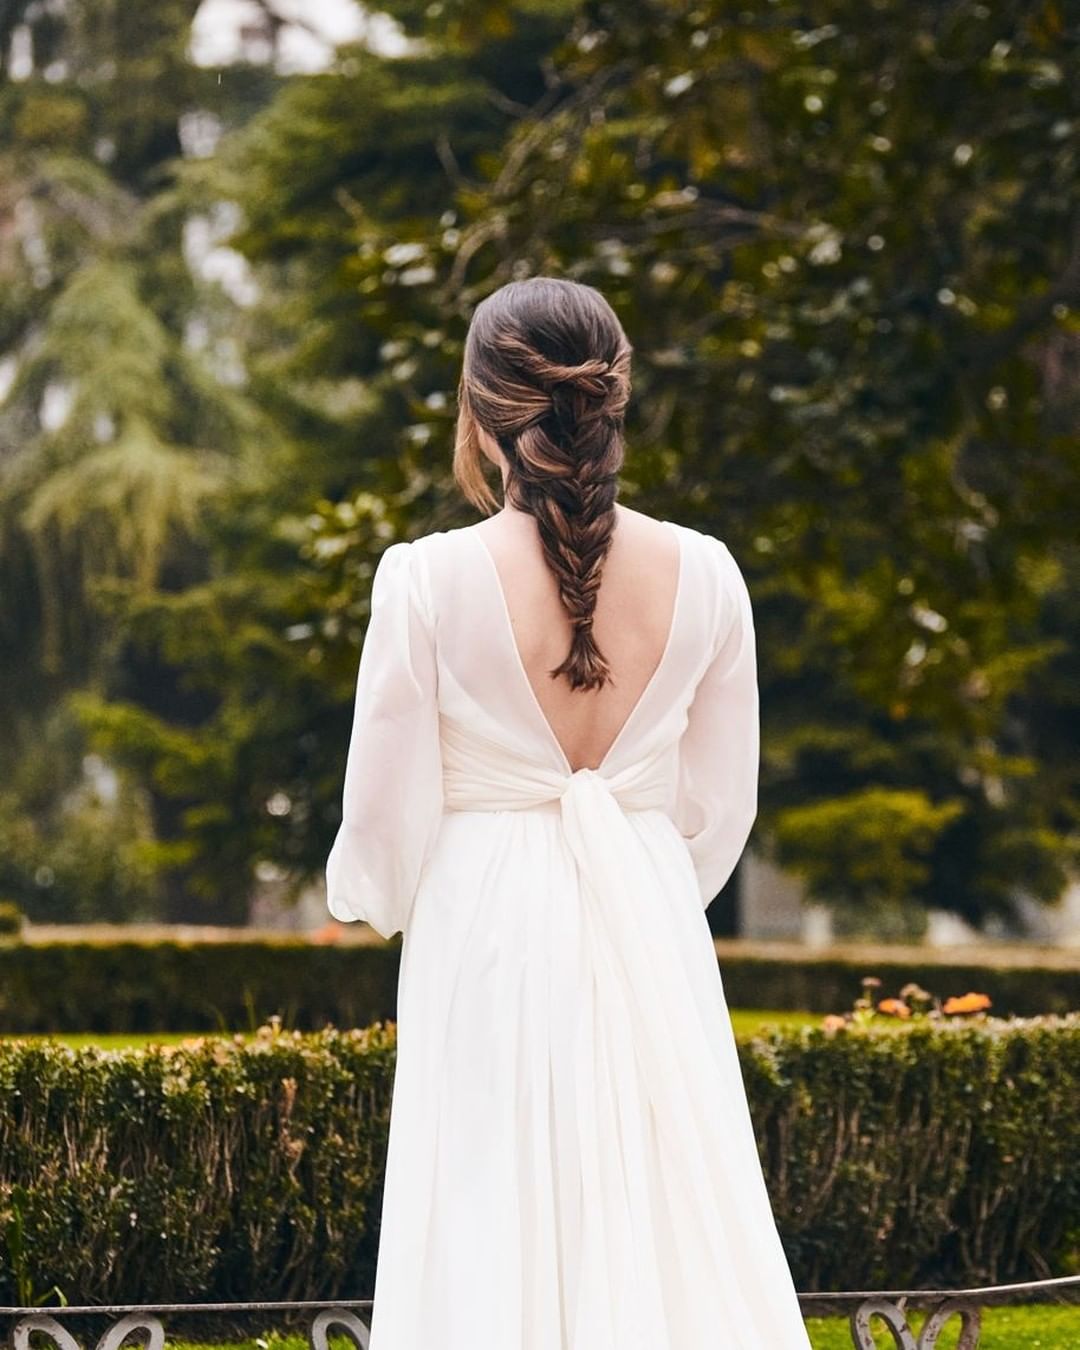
[{"x": 634, "y": 613}]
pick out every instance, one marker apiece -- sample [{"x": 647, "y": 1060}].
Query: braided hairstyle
[{"x": 546, "y": 373}]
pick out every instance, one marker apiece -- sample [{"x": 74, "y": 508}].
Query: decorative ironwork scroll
[
  {"x": 337, "y": 1317},
  {"x": 893, "y": 1315},
  {"x": 149, "y": 1328},
  {"x": 111, "y": 1338},
  {"x": 146, "y": 1322}
]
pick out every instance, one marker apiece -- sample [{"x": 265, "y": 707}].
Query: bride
[{"x": 552, "y": 771}]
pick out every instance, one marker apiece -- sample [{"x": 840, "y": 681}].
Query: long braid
[
  {"x": 559, "y": 423},
  {"x": 563, "y": 471}
]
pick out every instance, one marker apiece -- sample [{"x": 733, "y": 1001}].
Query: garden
[
  {"x": 240, "y": 244},
  {"x": 909, "y": 1141}
]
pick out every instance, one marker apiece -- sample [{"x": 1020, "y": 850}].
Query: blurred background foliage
[{"x": 233, "y": 302}]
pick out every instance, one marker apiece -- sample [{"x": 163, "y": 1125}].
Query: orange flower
[
  {"x": 966, "y": 1003},
  {"x": 834, "y": 1022},
  {"x": 895, "y": 1007},
  {"x": 328, "y": 933}
]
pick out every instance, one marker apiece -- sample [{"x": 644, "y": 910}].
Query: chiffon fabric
[{"x": 571, "y": 1161}]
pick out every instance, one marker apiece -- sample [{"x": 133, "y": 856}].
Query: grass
[
  {"x": 746, "y": 1022},
  {"x": 1029, "y": 1328}
]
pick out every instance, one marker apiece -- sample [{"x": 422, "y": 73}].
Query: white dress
[{"x": 571, "y": 1161}]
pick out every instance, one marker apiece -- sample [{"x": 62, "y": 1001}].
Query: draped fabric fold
[{"x": 672, "y": 1089}]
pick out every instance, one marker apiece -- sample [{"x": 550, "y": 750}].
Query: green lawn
[
  {"x": 1003, "y": 1329},
  {"x": 745, "y": 1021}
]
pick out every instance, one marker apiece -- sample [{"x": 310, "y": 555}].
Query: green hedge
[
  {"x": 194, "y": 986},
  {"x": 927, "y": 1155},
  {"x": 826, "y": 984},
  {"x": 228, "y": 986}
]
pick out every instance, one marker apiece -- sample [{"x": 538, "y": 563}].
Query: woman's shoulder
[
  {"x": 445, "y": 562},
  {"x": 433, "y": 538},
  {"x": 722, "y": 586},
  {"x": 435, "y": 548},
  {"x": 711, "y": 548}
]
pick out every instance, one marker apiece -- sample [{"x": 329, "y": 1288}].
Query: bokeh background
[{"x": 239, "y": 246}]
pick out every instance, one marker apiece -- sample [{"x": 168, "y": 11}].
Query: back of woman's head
[{"x": 546, "y": 373}]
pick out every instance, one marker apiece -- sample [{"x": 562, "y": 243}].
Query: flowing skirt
[{"x": 572, "y": 1163}]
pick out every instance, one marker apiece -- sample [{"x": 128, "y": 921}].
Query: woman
[{"x": 552, "y": 771}]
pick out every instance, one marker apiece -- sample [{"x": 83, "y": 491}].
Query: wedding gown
[{"x": 571, "y": 1161}]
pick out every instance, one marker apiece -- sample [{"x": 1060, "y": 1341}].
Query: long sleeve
[
  {"x": 393, "y": 795},
  {"x": 719, "y": 753}
]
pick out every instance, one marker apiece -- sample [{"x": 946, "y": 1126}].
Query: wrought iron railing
[
  {"x": 146, "y": 1322},
  {"x": 890, "y": 1307}
]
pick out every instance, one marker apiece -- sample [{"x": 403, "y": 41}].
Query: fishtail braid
[{"x": 559, "y": 422}]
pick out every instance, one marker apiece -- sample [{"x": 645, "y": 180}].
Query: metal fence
[{"x": 888, "y": 1307}]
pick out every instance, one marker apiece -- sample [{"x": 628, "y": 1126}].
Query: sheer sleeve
[
  {"x": 392, "y": 800},
  {"x": 719, "y": 751}
]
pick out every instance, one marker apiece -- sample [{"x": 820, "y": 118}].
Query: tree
[
  {"x": 265, "y": 643},
  {"x": 115, "y": 431},
  {"x": 848, "y": 255}
]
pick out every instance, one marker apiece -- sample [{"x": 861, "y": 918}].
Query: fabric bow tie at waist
[
  {"x": 648, "y": 1005},
  {"x": 480, "y": 774}
]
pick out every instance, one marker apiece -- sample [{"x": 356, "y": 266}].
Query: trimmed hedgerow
[
  {"x": 822, "y": 982},
  {"x": 170, "y": 985},
  {"x": 945, "y": 1155},
  {"x": 941, "y": 1153},
  {"x": 214, "y": 1169},
  {"x": 12, "y": 919}
]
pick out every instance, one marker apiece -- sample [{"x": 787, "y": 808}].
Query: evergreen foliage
[{"x": 847, "y": 253}]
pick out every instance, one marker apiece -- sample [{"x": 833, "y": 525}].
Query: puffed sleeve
[
  {"x": 392, "y": 800},
  {"x": 717, "y": 795}
]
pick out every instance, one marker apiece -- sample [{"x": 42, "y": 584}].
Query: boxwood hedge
[
  {"x": 170, "y": 985},
  {"x": 224, "y": 1169}
]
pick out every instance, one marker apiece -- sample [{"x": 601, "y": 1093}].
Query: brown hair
[{"x": 546, "y": 373}]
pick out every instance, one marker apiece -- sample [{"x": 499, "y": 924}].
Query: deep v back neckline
[{"x": 542, "y": 717}]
